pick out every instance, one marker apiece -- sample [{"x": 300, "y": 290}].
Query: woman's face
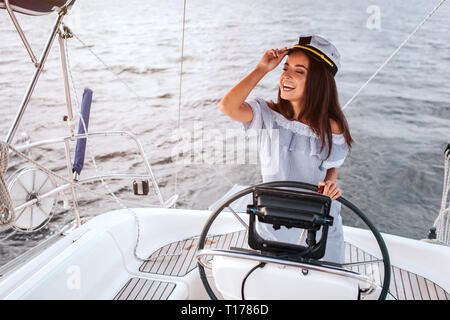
[{"x": 293, "y": 78}]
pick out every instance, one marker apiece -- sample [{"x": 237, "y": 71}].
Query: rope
[
  {"x": 179, "y": 103},
  {"x": 181, "y": 63},
  {"x": 103, "y": 182},
  {"x": 7, "y": 214},
  {"x": 85, "y": 46},
  {"x": 180, "y": 87},
  {"x": 392, "y": 55}
]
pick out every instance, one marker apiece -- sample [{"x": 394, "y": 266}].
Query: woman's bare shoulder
[{"x": 335, "y": 128}]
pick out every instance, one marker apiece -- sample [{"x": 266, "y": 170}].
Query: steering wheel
[{"x": 302, "y": 185}]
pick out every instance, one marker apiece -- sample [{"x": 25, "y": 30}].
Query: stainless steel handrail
[
  {"x": 102, "y": 134},
  {"x": 67, "y": 186},
  {"x": 62, "y": 53},
  {"x": 21, "y": 34},
  {"x": 63, "y": 187},
  {"x": 303, "y": 265},
  {"x": 32, "y": 84}
]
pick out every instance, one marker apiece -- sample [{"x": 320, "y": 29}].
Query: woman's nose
[{"x": 286, "y": 75}]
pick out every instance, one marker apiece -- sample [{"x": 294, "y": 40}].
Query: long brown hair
[{"x": 321, "y": 104}]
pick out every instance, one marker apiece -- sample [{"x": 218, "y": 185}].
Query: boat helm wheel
[
  {"x": 28, "y": 184},
  {"x": 275, "y": 185}
]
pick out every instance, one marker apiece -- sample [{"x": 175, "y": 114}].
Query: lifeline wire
[
  {"x": 392, "y": 55},
  {"x": 105, "y": 64},
  {"x": 179, "y": 103},
  {"x": 179, "y": 93},
  {"x": 103, "y": 182}
]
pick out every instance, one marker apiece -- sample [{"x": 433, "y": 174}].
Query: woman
[{"x": 294, "y": 133}]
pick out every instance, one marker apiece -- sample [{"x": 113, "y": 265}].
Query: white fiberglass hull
[{"x": 96, "y": 261}]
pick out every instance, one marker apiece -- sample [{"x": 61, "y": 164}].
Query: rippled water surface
[{"x": 400, "y": 121}]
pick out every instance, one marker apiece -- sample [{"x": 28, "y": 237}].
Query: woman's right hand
[
  {"x": 233, "y": 104},
  {"x": 271, "y": 59}
]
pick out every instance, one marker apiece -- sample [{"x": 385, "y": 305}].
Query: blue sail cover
[
  {"x": 35, "y": 7},
  {"x": 80, "y": 149}
]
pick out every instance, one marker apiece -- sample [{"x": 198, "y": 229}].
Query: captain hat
[{"x": 320, "y": 47}]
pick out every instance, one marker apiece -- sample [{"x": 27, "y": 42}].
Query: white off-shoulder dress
[{"x": 290, "y": 150}]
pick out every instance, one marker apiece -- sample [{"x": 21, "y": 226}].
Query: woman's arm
[
  {"x": 233, "y": 104},
  {"x": 331, "y": 189},
  {"x": 332, "y": 175}
]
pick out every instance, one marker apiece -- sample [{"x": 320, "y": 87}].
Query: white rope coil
[{"x": 6, "y": 208}]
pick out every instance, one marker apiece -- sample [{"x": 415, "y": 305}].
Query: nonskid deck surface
[
  {"x": 404, "y": 285},
  {"x": 178, "y": 259},
  {"x": 145, "y": 289}
]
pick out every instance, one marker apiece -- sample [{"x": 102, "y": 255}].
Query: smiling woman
[
  {"x": 308, "y": 94},
  {"x": 304, "y": 136}
]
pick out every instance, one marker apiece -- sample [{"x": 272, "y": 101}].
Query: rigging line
[
  {"x": 179, "y": 101},
  {"x": 181, "y": 64},
  {"x": 180, "y": 90},
  {"x": 103, "y": 182},
  {"x": 109, "y": 68},
  {"x": 219, "y": 173},
  {"x": 110, "y": 193},
  {"x": 393, "y": 54}
]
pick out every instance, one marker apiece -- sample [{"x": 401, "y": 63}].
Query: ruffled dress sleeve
[
  {"x": 339, "y": 151},
  {"x": 262, "y": 117}
]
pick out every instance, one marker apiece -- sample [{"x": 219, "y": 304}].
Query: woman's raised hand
[{"x": 271, "y": 59}]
